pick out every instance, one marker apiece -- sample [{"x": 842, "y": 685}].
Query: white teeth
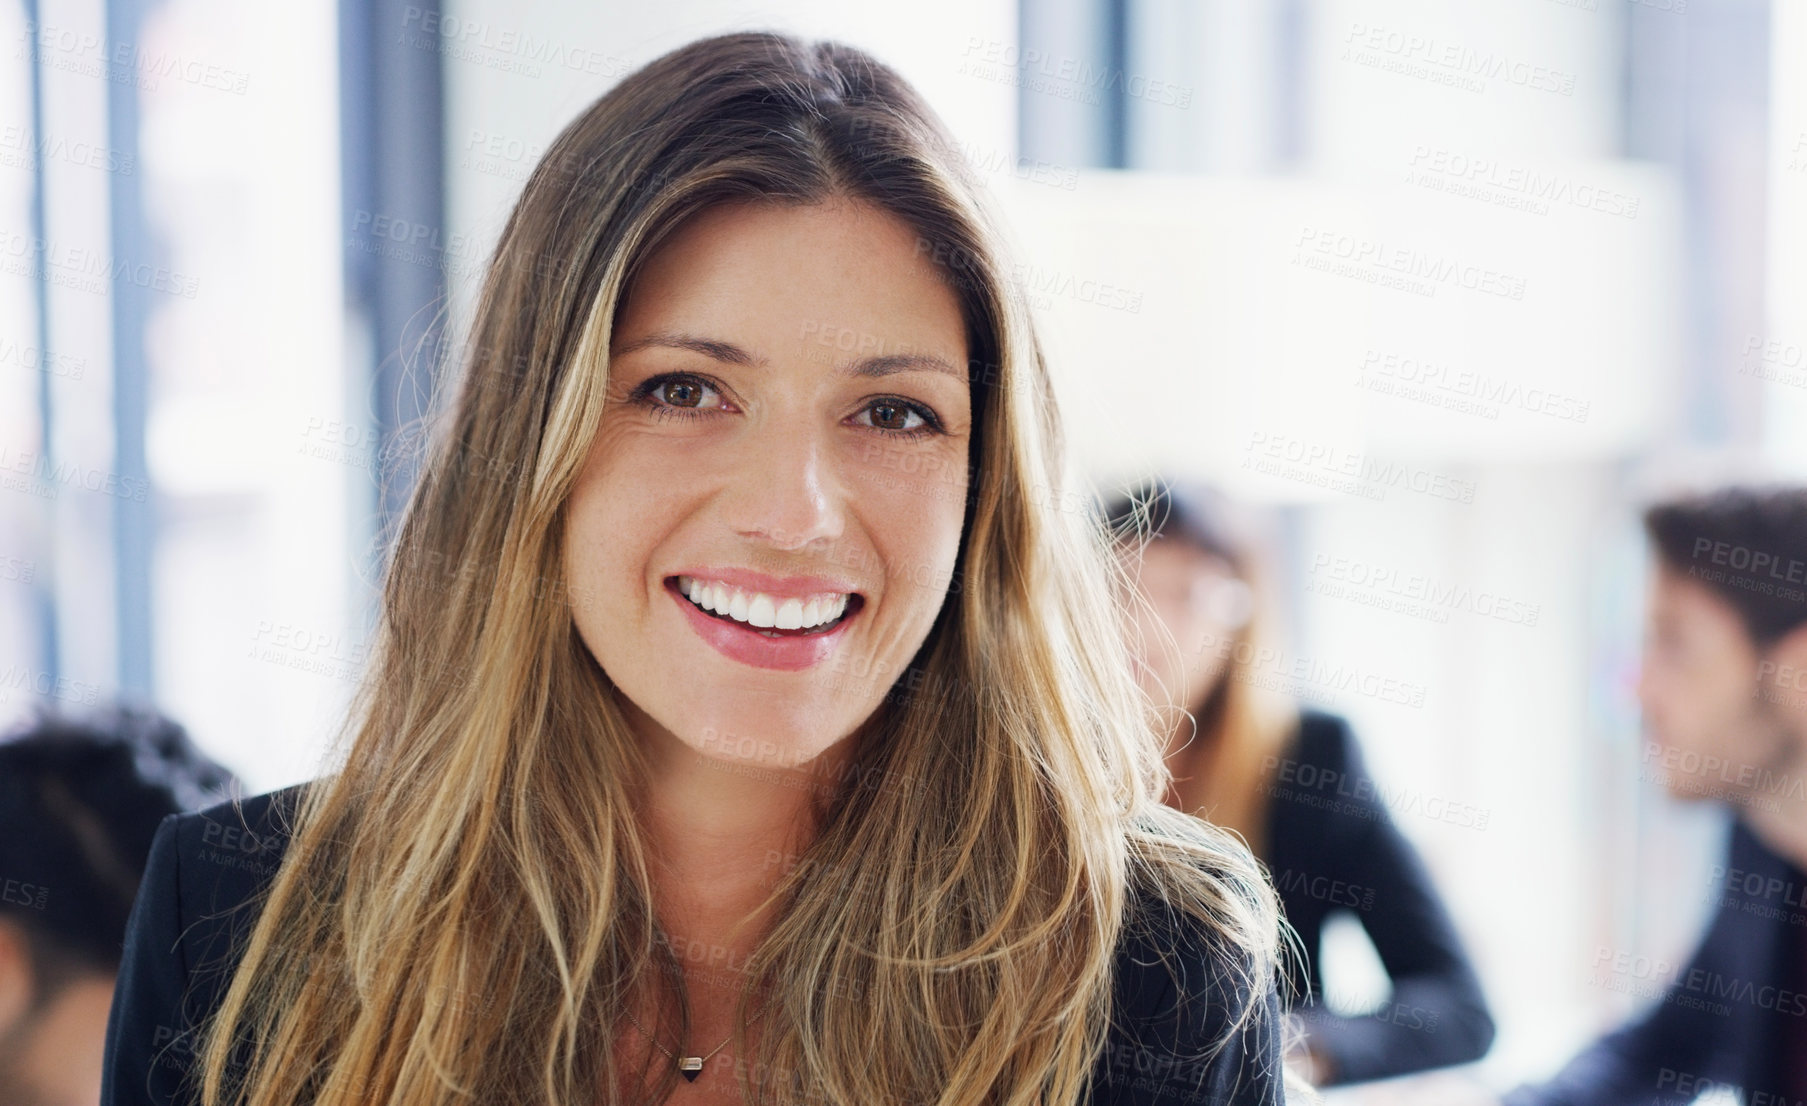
[
  {"x": 761, "y": 610},
  {"x": 790, "y": 614}
]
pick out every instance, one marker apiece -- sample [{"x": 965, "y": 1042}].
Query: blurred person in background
[
  {"x": 80, "y": 798},
  {"x": 1292, "y": 782},
  {"x": 1724, "y": 695}
]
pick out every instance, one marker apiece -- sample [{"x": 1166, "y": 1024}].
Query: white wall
[{"x": 505, "y": 104}]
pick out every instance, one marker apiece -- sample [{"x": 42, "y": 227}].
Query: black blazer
[
  {"x": 195, "y": 905},
  {"x": 1735, "y": 1015},
  {"x": 1333, "y": 846}
]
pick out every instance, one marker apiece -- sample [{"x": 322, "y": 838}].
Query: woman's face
[
  {"x": 1198, "y": 599},
  {"x": 785, "y": 436}
]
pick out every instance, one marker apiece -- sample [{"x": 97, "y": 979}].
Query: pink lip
[{"x": 739, "y": 642}]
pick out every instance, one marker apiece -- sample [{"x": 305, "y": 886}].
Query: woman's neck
[
  {"x": 718, "y": 843},
  {"x": 720, "y": 835}
]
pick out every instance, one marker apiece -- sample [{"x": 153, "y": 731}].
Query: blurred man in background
[
  {"x": 1724, "y": 696},
  {"x": 80, "y": 799}
]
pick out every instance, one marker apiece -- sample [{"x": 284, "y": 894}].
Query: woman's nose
[{"x": 789, "y": 492}]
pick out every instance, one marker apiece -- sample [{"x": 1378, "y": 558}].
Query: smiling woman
[
  {"x": 745, "y": 725},
  {"x": 730, "y": 434}
]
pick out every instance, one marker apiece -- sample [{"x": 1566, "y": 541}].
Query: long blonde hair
[{"x": 464, "y": 910}]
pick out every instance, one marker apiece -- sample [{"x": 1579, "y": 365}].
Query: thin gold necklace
[{"x": 688, "y": 1066}]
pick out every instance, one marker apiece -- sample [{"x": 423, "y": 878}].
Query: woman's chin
[{"x": 777, "y": 742}]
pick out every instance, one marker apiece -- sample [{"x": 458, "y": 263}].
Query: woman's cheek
[{"x": 924, "y": 475}]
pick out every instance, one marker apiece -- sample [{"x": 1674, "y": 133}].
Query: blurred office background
[{"x": 1448, "y": 287}]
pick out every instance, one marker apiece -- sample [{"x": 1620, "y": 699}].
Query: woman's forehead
[{"x": 842, "y": 277}]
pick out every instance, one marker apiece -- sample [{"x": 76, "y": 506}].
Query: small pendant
[{"x": 691, "y": 1067}]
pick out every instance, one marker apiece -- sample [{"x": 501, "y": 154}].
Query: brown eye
[
  {"x": 682, "y": 393},
  {"x": 889, "y": 416}
]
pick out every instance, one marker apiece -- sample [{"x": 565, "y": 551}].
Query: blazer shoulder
[
  {"x": 181, "y": 941},
  {"x": 1173, "y": 964},
  {"x": 1326, "y": 741},
  {"x": 1194, "y": 1012},
  {"x": 1748, "y": 852},
  {"x": 225, "y": 855}
]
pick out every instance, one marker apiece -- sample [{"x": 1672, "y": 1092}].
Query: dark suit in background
[
  {"x": 1333, "y": 846},
  {"x": 1735, "y": 1015}
]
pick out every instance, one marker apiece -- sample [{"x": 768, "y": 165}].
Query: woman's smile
[{"x": 762, "y": 621}]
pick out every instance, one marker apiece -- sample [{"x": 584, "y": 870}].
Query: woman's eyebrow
[
  {"x": 729, "y": 353},
  {"x": 900, "y": 362},
  {"x": 720, "y": 351}
]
